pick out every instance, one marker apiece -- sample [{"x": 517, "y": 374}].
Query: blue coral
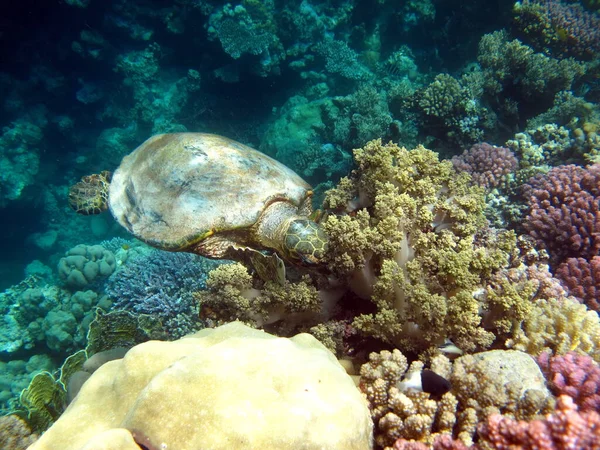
[{"x": 162, "y": 283}]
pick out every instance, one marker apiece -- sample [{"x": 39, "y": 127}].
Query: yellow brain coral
[{"x": 229, "y": 387}]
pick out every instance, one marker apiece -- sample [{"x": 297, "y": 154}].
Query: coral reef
[
  {"x": 426, "y": 256},
  {"x": 297, "y": 393}
]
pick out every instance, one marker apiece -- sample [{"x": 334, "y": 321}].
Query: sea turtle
[{"x": 207, "y": 194}]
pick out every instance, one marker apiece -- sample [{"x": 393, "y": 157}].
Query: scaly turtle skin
[{"x": 206, "y": 194}]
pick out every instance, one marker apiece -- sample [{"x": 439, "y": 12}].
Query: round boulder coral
[
  {"x": 84, "y": 264},
  {"x": 229, "y": 387}
]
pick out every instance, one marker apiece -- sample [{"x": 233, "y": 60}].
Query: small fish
[{"x": 433, "y": 383}]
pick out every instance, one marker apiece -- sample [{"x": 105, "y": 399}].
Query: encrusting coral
[{"x": 251, "y": 390}]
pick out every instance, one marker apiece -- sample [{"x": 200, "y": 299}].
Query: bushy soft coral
[{"x": 411, "y": 247}]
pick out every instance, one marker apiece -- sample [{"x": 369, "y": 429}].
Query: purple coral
[
  {"x": 487, "y": 164},
  {"x": 582, "y": 278},
  {"x": 577, "y": 30},
  {"x": 564, "y": 215},
  {"x": 575, "y": 375}
]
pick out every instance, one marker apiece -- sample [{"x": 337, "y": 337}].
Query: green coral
[
  {"x": 516, "y": 66},
  {"x": 233, "y": 294},
  {"x": 416, "y": 231}
]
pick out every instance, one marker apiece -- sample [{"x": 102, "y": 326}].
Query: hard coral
[
  {"x": 14, "y": 433},
  {"x": 487, "y": 164},
  {"x": 411, "y": 247},
  {"x": 559, "y": 325},
  {"x": 565, "y": 429},
  {"x": 404, "y": 415},
  {"x": 582, "y": 278},
  {"x": 223, "y": 388},
  {"x": 161, "y": 283},
  {"x": 567, "y": 28},
  {"x": 564, "y": 212},
  {"x": 575, "y": 375}
]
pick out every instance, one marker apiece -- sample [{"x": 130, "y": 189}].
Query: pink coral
[
  {"x": 582, "y": 278},
  {"x": 564, "y": 215},
  {"x": 575, "y": 375},
  {"x": 487, "y": 164},
  {"x": 565, "y": 429},
  {"x": 441, "y": 442}
]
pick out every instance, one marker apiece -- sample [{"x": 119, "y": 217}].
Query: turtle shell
[{"x": 176, "y": 189}]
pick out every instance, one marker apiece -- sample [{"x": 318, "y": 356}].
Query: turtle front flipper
[{"x": 90, "y": 195}]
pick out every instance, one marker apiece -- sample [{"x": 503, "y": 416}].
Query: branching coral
[
  {"x": 559, "y": 325},
  {"x": 565, "y": 429},
  {"x": 575, "y": 375},
  {"x": 564, "y": 215},
  {"x": 513, "y": 66},
  {"x": 582, "y": 278},
  {"x": 451, "y": 106},
  {"x": 567, "y": 28},
  {"x": 488, "y": 165}
]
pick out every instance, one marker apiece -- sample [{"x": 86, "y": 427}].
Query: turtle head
[
  {"x": 90, "y": 195},
  {"x": 305, "y": 242}
]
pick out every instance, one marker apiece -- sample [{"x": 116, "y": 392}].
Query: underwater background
[{"x": 504, "y": 92}]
